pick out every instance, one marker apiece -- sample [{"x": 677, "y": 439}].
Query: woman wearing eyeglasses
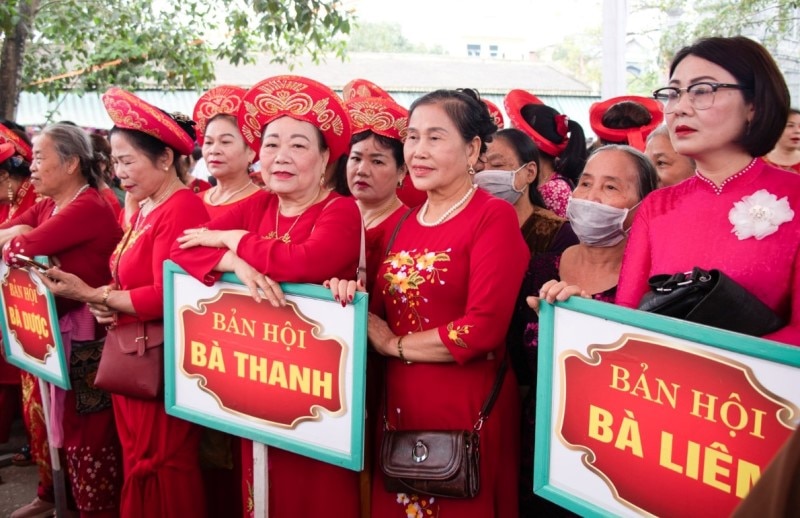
[{"x": 737, "y": 214}]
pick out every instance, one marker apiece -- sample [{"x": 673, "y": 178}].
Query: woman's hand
[
  {"x": 65, "y": 284},
  {"x": 554, "y": 290},
  {"x": 379, "y": 335},
  {"x": 103, "y": 314},
  {"x": 343, "y": 290},
  {"x": 212, "y": 238},
  {"x": 255, "y": 281}
]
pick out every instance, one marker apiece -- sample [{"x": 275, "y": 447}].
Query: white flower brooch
[{"x": 759, "y": 215}]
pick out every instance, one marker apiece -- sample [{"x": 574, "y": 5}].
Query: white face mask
[
  {"x": 597, "y": 224},
  {"x": 500, "y": 183}
]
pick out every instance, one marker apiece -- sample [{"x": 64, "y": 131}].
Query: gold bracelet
[
  {"x": 106, "y": 294},
  {"x": 400, "y": 350}
]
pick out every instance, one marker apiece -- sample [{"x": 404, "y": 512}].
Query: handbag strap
[
  {"x": 486, "y": 409},
  {"x": 396, "y": 230}
]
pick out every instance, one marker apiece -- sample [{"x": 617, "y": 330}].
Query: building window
[
  {"x": 473, "y": 49},
  {"x": 493, "y": 51}
]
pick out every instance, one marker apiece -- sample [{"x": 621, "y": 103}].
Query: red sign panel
[
  {"x": 672, "y": 432},
  {"x": 27, "y": 314},
  {"x": 264, "y": 362}
]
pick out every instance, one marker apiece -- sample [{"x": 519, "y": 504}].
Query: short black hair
[{"x": 762, "y": 82}]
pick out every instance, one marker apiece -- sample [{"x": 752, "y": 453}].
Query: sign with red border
[
  {"x": 31, "y": 334},
  {"x": 290, "y": 377},
  {"x": 630, "y": 401}
]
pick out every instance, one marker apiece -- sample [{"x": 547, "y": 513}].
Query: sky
[{"x": 433, "y": 21}]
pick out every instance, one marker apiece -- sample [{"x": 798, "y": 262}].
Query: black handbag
[
  {"x": 711, "y": 298},
  {"x": 441, "y": 463}
]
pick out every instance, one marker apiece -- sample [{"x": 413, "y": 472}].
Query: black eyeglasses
[{"x": 701, "y": 95}]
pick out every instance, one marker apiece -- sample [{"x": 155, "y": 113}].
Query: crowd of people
[{"x": 465, "y": 226}]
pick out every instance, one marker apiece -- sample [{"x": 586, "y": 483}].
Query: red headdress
[
  {"x": 363, "y": 88},
  {"x": 514, "y": 102},
  {"x": 130, "y": 112},
  {"x": 636, "y": 136},
  {"x": 20, "y": 146},
  {"x": 381, "y": 116},
  {"x": 494, "y": 111},
  {"x": 300, "y": 98},
  {"x": 7, "y": 150},
  {"x": 220, "y": 100}
]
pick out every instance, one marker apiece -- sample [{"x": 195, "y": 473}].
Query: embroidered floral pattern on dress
[
  {"x": 96, "y": 477},
  {"x": 759, "y": 215},
  {"x": 416, "y": 506},
  {"x": 454, "y": 334},
  {"x": 407, "y": 271}
]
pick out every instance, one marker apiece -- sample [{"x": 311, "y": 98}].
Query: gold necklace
[
  {"x": 286, "y": 238},
  {"x": 229, "y": 196},
  {"x": 150, "y": 205},
  {"x": 376, "y": 217}
]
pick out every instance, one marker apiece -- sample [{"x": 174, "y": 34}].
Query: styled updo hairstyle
[
  {"x": 762, "y": 85},
  {"x": 153, "y": 147},
  {"x": 570, "y": 162},
  {"x": 624, "y": 115},
  {"x": 464, "y": 107},
  {"x": 526, "y": 151},
  {"x": 71, "y": 141}
]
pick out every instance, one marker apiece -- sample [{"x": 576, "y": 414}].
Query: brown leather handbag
[
  {"x": 442, "y": 463},
  {"x": 133, "y": 360}
]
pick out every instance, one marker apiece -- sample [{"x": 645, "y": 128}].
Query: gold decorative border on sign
[
  {"x": 785, "y": 415},
  {"x": 316, "y": 332}
]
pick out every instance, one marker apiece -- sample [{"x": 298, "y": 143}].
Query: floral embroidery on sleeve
[
  {"x": 454, "y": 334},
  {"x": 406, "y": 272}
]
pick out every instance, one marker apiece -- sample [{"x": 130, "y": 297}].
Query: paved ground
[{"x": 19, "y": 484}]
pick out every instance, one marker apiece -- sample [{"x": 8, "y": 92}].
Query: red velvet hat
[
  {"x": 514, "y": 102},
  {"x": 382, "y": 116},
  {"x": 7, "y": 150},
  {"x": 302, "y": 99},
  {"x": 222, "y": 99},
  {"x": 129, "y": 112},
  {"x": 20, "y": 146},
  {"x": 363, "y": 88},
  {"x": 635, "y": 137},
  {"x": 494, "y": 111}
]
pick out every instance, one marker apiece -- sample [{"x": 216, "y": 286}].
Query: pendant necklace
[
  {"x": 274, "y": 234},
  {"x": 447, "y": 213}
]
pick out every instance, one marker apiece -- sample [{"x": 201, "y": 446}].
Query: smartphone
[{"x": 31, "y": 263}]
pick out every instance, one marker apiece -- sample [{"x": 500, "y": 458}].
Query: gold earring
[
  {"x": 471, "y": 170},
  {"x": 11, "y": 195}
]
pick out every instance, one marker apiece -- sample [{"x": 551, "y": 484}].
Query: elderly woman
[
  {"x": 447, "y": 289},
  {"x": 76, "y": 228},
  {"x": 614, "y": 182},
  {"x": 786, "y": 153},
  {"x": 561, "y": 142},
  {"x": 724, "y": 121},
  {"x": 298, "y": 232},
  {"x": 162, "y": 475},
  {"x": 226, "y": 154},
  {"x": 671, "y": 166}
]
